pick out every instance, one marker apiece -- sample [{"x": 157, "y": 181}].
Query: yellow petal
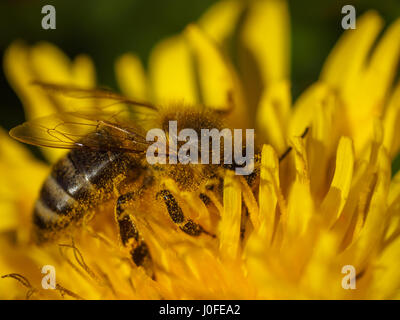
[
  {"x": 386, "y": 279},
  {"x": 301, "y": 160},
  {"x": 366, "y": 246},
  {"x": 266, "y": 34},
  {"x": 391, "y": 120},
  {"x": 220, "y": 87},
  {"x": 229, "y": 226},
  {"x": 18, "y": 71},
  {"x": 22, "y": 176},
  {"x": 250, "y": 202},
  {"x": 322, "y": 138},
  {"x": 83, "y": 72},
  {"x": 394, "y": 193},
  {"x": 382, "y": 67},
  {"x": 47, "y": 63},
  {"x": 346, "y": 224},
  {"x": 349, "y": 55},
  {"x": 351, "y": 221},
  {"x": 300, "y": 203},
  {"x": 360, "y": 80},
  {"x": 131, "y": 77},
  {"x": 219, "y": 21},
  {"x": 270, "y": 194},
  {"x": 322, "y": 276},
  {"x": 171, "y": 72},
  {"x": 50, "y": 64},
  {"x": 336, "y": 198},
  {"x": 370, "y": 89},
  {"x": 273, "y": 114},
  {"x": 305, "y": 106},
  {"x": 393, "y": 201},
  {"x": 300, "y": 211}
]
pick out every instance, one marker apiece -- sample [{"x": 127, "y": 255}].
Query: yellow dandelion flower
[{"x": 289, "y": 231}]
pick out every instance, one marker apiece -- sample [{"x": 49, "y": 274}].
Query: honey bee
[{"x": 107, "y": 162}]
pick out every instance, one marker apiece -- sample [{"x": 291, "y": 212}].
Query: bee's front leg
[{"x": 129, "y": 234}]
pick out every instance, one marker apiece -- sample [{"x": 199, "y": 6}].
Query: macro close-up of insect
[{"x": 107, "y": 162}]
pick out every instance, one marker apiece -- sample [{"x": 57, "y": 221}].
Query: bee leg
[
  {"x": 205, "y": 199},
  {"x": 177, "y": 216},
  {"x": 283, "y": 156},
  {"x": 130, "y": 236}
]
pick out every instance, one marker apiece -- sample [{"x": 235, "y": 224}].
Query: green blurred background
[{"x": 104, "y": 29}]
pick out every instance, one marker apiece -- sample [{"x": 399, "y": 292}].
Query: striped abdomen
[{"x": 78, "y": 182}]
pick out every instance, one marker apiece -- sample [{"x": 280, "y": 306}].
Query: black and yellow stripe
[{"x": 78, "y": 182}]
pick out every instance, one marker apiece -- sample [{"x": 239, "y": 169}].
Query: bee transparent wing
[
  {"x": 102, "y": 98},
  {"x": 70, "y": 130}
]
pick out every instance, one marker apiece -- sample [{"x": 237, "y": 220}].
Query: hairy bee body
[
  {"x": 108, "y": 161},
  {"x": 85, "y": 178},
  {"x": 78, "y": 182}
]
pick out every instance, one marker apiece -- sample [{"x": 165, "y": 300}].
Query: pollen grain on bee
[{"x": 191, "y": 147}]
